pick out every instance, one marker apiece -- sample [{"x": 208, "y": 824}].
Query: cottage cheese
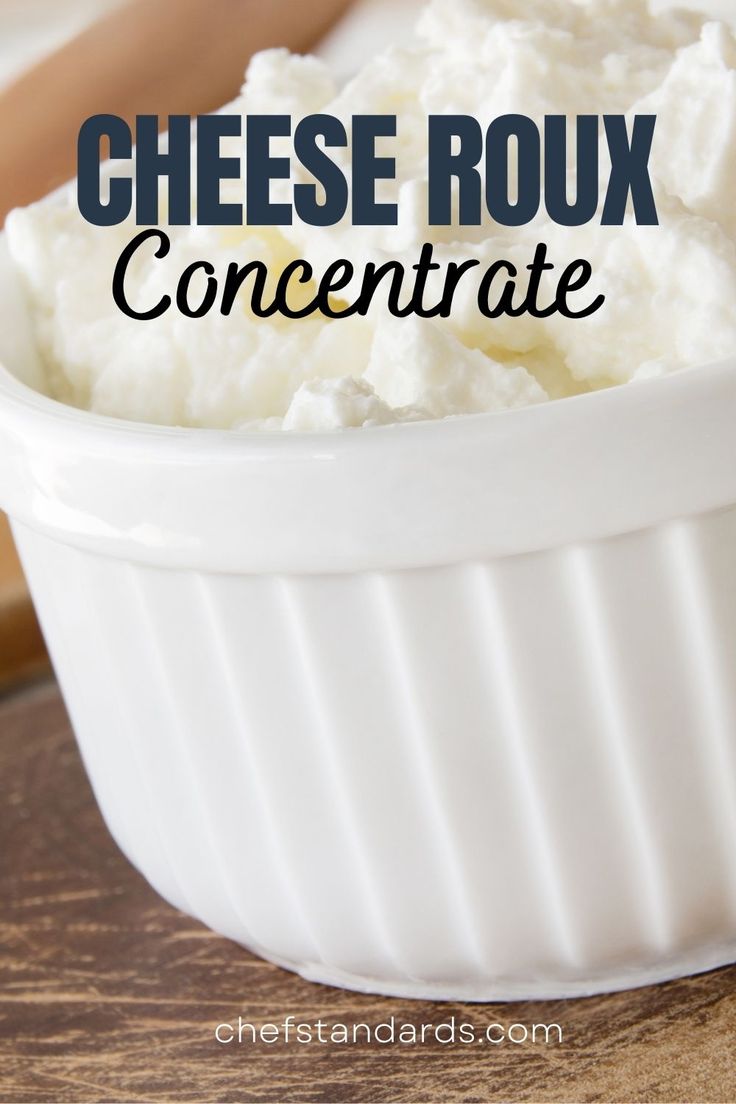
[{"x": 670, "y": 289}]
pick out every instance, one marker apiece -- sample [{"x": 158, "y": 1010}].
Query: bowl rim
[{"x": 27, "y": 402}]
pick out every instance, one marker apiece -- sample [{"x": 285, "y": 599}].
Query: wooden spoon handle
[{"x": 150, "y": 56}]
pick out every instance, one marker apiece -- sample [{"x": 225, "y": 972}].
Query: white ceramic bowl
[{"x": 441, "y": 710}]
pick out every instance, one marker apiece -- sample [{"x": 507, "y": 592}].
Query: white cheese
[{"x": 670, "y": 289}]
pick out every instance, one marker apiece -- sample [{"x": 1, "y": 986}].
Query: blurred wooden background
[
  {"x": 22, "y": 651},
  {"x": 146, "y": 56}
]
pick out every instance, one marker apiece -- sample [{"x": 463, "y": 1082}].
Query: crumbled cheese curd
[{"x": 670, "y": 289}]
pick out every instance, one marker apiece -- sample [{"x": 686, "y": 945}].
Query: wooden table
[{"x": 108, "y": 994}]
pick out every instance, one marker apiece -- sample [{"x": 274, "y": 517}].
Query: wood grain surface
[
  {"x": 22, "y": 650},
  {"x": 108, "y": 994}
]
